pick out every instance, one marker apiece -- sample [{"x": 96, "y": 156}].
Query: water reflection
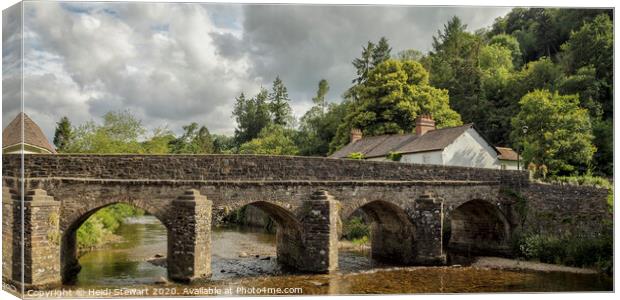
[{"x": 246, "y": 257}]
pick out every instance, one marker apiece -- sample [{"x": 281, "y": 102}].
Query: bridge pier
[
  {"x": 428, "y": 223},
  {"x": 314, "y": 246},
  {"x": 11, "y": 235},
  {"x": 41, "y": 240},
  {"x": 189, "y": 238}
]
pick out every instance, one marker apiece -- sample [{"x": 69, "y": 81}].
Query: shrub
[
  {"x": 355, "y": 229},
  {"x": 355, "y": 155},
  {"x": 99, "y": 227},
  {"x": 569, "y": 250}
]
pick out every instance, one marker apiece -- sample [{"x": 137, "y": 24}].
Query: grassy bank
[
  {"x": 99, "y": 228},
  {"x": 591, "y": 252}
]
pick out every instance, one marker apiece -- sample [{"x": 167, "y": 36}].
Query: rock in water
[{"x": 161, "y": 280}]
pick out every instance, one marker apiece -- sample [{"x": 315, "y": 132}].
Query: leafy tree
[
  {"x": 159, "y": 142},
  {"x": 119, "y": 133},
  {"x": 223, "y": 144},
  {"x": 251, "y": 116},
  {"x": 496, "y": 82},
  {"x": 588, "y": 87},
  {"x": 273, "y": 140},
  {"x": 542, "y": 31},
  {"x": 364, "y": 63},
  {"x": 410, "y": 54},
  {"x": 63, "y": 136},
  {"x": 195, "y": 140},
  {"x": 372, "y": 55},
  {"x": 319, "y": 99},
  {"x": 279, "y": 103},
  {"x": 559, "y": 132},
  {"x": 319, "y": 124},
  {"x": 391, "y": 99},
  {"x": 604, "y": 142},
  {"x": 540, "y": 74},
  {"x": 382, "y": 52},
  {"x": 509, "y": 42},
  {"x": 592, "y": 46},
  {"x": 454, "y": 67}
]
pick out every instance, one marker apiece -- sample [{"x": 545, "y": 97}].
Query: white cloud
[{"x": 174, "y": 63}]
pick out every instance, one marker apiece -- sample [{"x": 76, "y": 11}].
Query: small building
[
  {"x": 453, "y": 146},
  {"x": 508, "y": 159},
  {"x": 32, "y": 141}
]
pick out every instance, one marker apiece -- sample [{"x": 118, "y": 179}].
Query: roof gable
[{"x": 33, "y": 135}]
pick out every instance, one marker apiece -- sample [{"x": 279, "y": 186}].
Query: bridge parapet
[{"x": 243, "y": 167}]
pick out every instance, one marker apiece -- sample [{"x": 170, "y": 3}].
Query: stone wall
[
  {"x": 559, "y": 209},
  {"x": 242, "y": 167}
]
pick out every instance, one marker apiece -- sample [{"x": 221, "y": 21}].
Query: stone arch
[
  {"x": 289, "y": 231},
  {"x": 392, "y": 232},
  {"x": 477, "y": 227},
  {"x": 68, "y": 249}
]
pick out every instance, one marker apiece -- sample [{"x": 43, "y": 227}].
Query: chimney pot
[
  {"x": 424, "y": 124},
  {"x": 356, "y": 135}
]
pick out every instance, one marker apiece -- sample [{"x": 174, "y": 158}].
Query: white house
[{"x": 454, "y": 146}]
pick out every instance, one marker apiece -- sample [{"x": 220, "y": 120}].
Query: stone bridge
[{"x": 419, "y": 212}]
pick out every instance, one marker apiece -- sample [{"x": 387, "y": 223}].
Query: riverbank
[{"x": 520, "y": 265}]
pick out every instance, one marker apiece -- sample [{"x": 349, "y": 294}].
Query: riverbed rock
[
  {"x": 161, "y": 280},
  {"x": 243, "y": 254}
]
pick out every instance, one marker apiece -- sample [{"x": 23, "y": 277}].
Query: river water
[{"x": 243, "y": 262}]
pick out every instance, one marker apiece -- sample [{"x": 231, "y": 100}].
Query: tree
[
  {"x": 512, "y": 44},
  {"x": 279, "y": 103},
  {"x": 454, "y": 67},
  {"x": 194, "y": 140},
  {"x": 273, "y": 140},
  {"x": 592, "y": 46},
  {"x": 364, "y": 63},
  {"x": 63, "y": 136},
  {"x": 496, "y": 83},
  {"x": 382, "y": 52},
  {"x": 318, "y": 125},
  {"x": 410, "y": 54},
  {"x": 223, "y": 144},
  {"x": 251, "y": 116},
  {"x": 391, "y": 99},
  {"x": 319, "y": 99},
  {"x": 159, "y": 142},
  {"x": 559, "y": 134},
  {"x": 119, "y": 133}
]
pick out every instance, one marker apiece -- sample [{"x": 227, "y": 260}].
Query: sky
[{"x": 171, "y": 64}]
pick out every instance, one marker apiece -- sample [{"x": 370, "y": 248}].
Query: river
[{"x": 243, "y": 262}]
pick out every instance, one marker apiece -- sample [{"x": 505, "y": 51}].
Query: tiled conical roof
[{"x": 12, "y": 134}]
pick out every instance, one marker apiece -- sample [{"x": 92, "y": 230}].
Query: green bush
[
  {"x": 355, "y": 229},
  {"x": 569, "y": 250}
]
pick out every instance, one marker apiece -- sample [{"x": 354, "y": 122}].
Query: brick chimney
[
  {"x": 356, "y": 135},
  {"x": 424, "y": 124}
]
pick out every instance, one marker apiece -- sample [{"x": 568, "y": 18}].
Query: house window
[{"x": 503, "y": 166}]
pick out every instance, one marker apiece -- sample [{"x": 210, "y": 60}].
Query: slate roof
[
  {"x": 380, "y": 146},
  {"x": 12, "y": 134},
  {"x": 506, "y": 153}
]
